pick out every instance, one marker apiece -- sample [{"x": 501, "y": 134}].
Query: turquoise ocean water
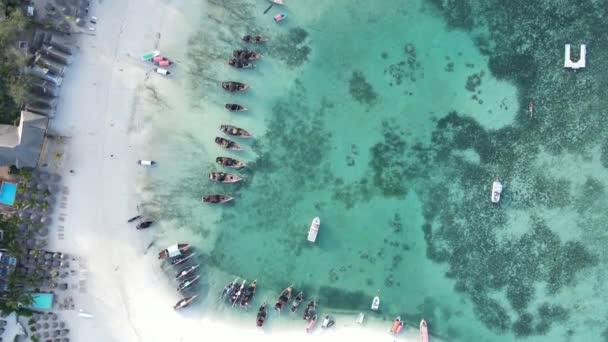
[{"x": 390, "y": 120}]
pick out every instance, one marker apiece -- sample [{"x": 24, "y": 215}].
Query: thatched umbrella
[
  {"x": 45, "y": 220},
  {"x": 62, "y": 324},
  {"x": 64, "y": 332}
]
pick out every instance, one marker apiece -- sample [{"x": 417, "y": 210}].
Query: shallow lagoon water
[{"x": 390, "y": 123}]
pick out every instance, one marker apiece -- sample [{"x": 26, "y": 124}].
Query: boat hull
[
  {"x": 227, "y": 177},
  {"x": 222, "y": 199},
  {"x": 314, "y": 229},
  {"x": 496, "y": 191},
  {"x": 424, "y": 331}
]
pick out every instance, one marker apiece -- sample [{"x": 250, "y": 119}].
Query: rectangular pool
[{"x": 7, "y": 193}]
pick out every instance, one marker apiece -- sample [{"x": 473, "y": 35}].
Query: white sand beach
[{"x": 127, "y": 296}]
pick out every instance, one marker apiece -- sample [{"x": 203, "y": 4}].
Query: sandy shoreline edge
[{"x": 129, "y": 299}]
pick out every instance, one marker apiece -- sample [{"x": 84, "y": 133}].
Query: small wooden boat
[
  {"x": 314, "y": 229},
  {"x": 174, "y": 250},
  {"x": 187, "y": 283},
  {"x": 186, "y": 271},
  {"x": 397, "y": 325},
  {"x": 146, "y": 162},
  {"x": 360, "y": 318},
  {"x": 237, "y": 295},
  {"x": 230, "y": 162},
  {"x": 233, "y": 86},
  {"x": 424, "y": 331},
  {"x": 162, "y": 71},
  {"x": 217, "y": 198},
  {"x": 310, "y": 311},
  {"x": 235, "y": 131},
  {"x": 376, "y": 303},
  {"x": 161, "y": 61},
  {"x": 229, "y": 144},
  {"x": 328, "y": 322},
  {"x": 236, "y": 63},
  {"x": 279, "y": 17},
  {"x": 297, "y": 301},
  {"x": 249, "y": 293},
  {"x": 276, "y": 2},
  {"x": 311, "y": 323},
  {"x": 134, "y": 218},
  {"x": 246, "y": 55},
  {"x": 144, "y": 225},
  {"x": 149, "y": 55},
  {"x": 224, "y": 177},
  {"x": 254, "y": 39},
  {"x": 531, "y": 107},
  {"x": 184, "y": 302},
  {"x": 496, "y": 191},
  {"x": 228, "y": 289},
  {"x": 261, "y": 316},
  {"x": 234, "y": 107},
  {"x": 182, "y": 259},
  {"x": 283, "y": 299}
]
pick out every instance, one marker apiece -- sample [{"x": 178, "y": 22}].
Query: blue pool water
[
  {"x": 7, "y": 193},
  {"x": 43, "y": 301}
]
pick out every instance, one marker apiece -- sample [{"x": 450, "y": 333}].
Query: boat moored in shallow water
[
  {"x": 297, "y": 301},
  {"x": 397, "y": 325},
  {"x": 376, "y": 303},
  {"x": 187, "y": 283},
  {"x": 230, "y": 162},
  {"x": 310, "y": 311},
  {"x": 234, "y": 107},
  {"x": 235, "y": 131},
  {"x": 223, "y": 177},
  {"x": 228, "y": 144},
  {"x": 186, "y": 271},
  {"x": 233, "y": 86},
  {"x": 496, "y": 191},
  {"x": 311, "y": 323},
  {"x": 254, "y": 39},
  {"x": 217, "y": 198},
  {"x": 424, "y": 331},
  {"x": 246, "y": 55},
  {"x": 184, "y": 302},
  {"x": 249, "y": 293},
  {"x": 279, "y": 17},
  {"x": 144, "y": 224},
  {"x": 314, "y": 229},
  {"x": 239, "y": 64},
  {"x": 283, "y": 299},
  {"x": 182, "y": 259},
  {"x": 174, "y": 250},
  {"x": 261, "y": 316}
]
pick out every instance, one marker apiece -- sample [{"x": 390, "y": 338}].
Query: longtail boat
[
  {"x": 283, "y": 299},
  {"x": 237, "y": 63},
  {"x": 246, "y": 55},
  {"x": 174, "y": 250},
  {"x": 230, "y": 162},
  {"x": 182, "y": 303},
  {"x": 228, "y": 289},
  {"x": 187, "y": 283},
  {"x": 182, "y": 259},
  {"x": 297, "y": 301},
  {"x": 217, "y": 198},
  {"x": 224, "y": 177},
  {"x": 235, "y": 131},
  {"x": 234, "y": 107},
  {"x": 310, "y": 311},
  {"x": 424, "y": 331},
  {"x": 229, "y": 144},
  {"x": 249, "y": 293},
  {"x": 237, "y": 295},
  {"x": 254, "y": 39},
  {"x": 233, "y": 86},
  {"x": 261, "y": 316},
  {"x": 186, "y": 271}
]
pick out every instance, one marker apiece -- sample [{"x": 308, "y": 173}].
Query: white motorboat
[
  {"x": 162, "y": 71},
  {"x": 376, "y": 303},
  {"x": 146, "y": 162},
  {"x": 314, "y": 229},
  {"x": 496, "y": 191}
]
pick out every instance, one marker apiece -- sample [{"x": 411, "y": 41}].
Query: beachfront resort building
[{"x": 21, "y": 145}]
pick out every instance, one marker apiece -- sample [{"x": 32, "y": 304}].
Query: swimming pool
[{"x": 7, "y": 193}]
